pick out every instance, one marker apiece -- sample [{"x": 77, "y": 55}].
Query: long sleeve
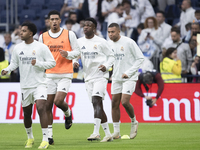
[
  {"x": 177, "y": 68},
  {"x": 49, "y": 61},
  {"x": 139, "y": 58},
  {"x": 160, "y": 84},
  {"x": 110, "y": 55},
  {"x": 138, "y": 89},
  {"x": 74, "y": 45}
]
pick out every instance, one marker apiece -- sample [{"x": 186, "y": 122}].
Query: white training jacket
[
  {"x": 128, "y": 59},
  {"x": 22, "y": 55},
  {"x": 95, "y": 52}
]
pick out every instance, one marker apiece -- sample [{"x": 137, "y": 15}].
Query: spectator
[
  {"x": 3, "y": 64},
  {"x": 187, "y": 15},
  {"x": 195, "y": 27},
  {"x": 193, "y": 44},
  {"x": 75, "y": 26},
  {"x": 150, "y": 41},
  {"x": 130, "y": 24},
  {"x": 116, "y": 16},
  {"x": 140, "y": 27},
  {"x": 47, "y": 25},
  {"x": 163, "y": 3},
  {"x": 168, "y": 41},
  {"x": 183, "y": 51},
  {"x": 165, "y": 28},
  {"x": 170, "y": 67},
  {"x": 145, "y": 9},
  {"x": 71, "y": 5},
  {"x": 68, "y": 24},
  {"x": 197, "y": 16},
  {"x": 195, "y": 69},
  {"x": 107, "y": 7},
  {"x": 146, "y": 79},
  {"x": 15, "y": 36}
]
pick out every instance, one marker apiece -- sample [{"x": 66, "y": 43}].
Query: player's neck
[
  {"x": 89, "y": 36},
  {"x": 117, "y": 39},
  {"x": 29, "y": 40},
  {"x": 55, "y": 31}
]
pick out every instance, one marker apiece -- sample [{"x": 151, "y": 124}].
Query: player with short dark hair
[
  {"x": 64, "y": 47},
  {"x": 128, "y": 59},
  {"x": 32, "y": 58},
  {"x": 97, "y": 58}
]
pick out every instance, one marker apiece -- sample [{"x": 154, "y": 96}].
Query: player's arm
[
  {"x": 75, "y": 48},
  {"x": 138, "y": 89},
  {"x": 160, "y": 84},
  {"x": 139, "y": 58},
  {"x": 109, "y": 52},
  {"x": 48, "y": 62}
]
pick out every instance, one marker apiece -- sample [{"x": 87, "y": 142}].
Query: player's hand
[
  {"x": 76, "y": 65},
  {"x": 33, "y": 62},
  {"x": 124, "y": 76},
  {"x": 4, "y": 72},
  {"x": 154, "y": 101},
  {"x": 148, "y": 97},
  {"x": 63, "y": 53},
  {"x": 102, "y": 68}
]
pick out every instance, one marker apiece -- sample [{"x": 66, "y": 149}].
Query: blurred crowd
[{"x": 155, "y": 25}]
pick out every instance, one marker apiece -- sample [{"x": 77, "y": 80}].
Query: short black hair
[
  {"x": 118, "y": 5},
  {"x": 31, "y": 26},
  {"x": 126, "y": 2},
  {"x": 176, "y": 29},
  {"x": 69, "y": 21},
  {"x": 53, "y": 12},
  {"x": 161, "y": 12},
  {"x": 92, "y": 20},
  {"x": 140, "y": 26},
  {"x": 197, "y": 11},
  {"x": 71, "y": 13},
  {"x": 114, "y": 25},
  {"x": 147, "y": 77}
]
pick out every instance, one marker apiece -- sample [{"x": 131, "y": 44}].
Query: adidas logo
[
  {"x": 104, "y": 128},
  {"x": 64, "y": 89},
  {"x": 42, "y": 96},
  {"x": 62, "y": 42},
  {"x": 128, "y": 92},
  {"x": 44, "y": 134},
  {"x": 21, "y": 53},
  {"x": 83, "y": 47},
  {"x": 97, "y": 92}
]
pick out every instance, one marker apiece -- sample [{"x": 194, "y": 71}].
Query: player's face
[
  {"x": 54, "y": 21},
  {"x": 114, "y": 33},
  {"x": 88, "y": 28},
  {"x": 25, "y": 33}
]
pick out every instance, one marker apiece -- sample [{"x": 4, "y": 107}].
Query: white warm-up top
[
  {"x": 95, "y": 52},
  {"x": 31, "y": 76},
  {"x": 128, "y": 59}
]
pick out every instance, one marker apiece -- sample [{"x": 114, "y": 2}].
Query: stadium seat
[
  {"x": 36, "y": 5},
  {"x": 56, "y": 5},
  {"x": 21, "y": 4},
  {"x": 44, "y": 13},
  {"x": 27, "y": 15},
  {"x": 38, "y": 24},
  {"x": 2, "y": 4},
  {"x": 171, "y": 12}
]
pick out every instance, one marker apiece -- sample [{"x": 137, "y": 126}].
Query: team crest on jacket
[
  {"x": 122, "y": 49},
  {"x": 33, "y": 53},
  {"x": 95, "y": 47}
]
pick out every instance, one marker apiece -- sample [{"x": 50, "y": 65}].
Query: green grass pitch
[{"x": 151, "y": 136}]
